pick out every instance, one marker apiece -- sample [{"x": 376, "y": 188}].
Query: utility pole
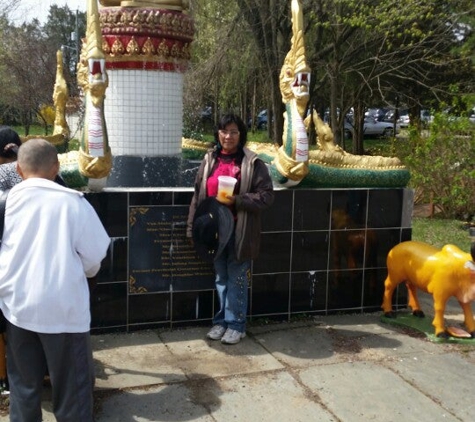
[
  {"x": 74, "y": 51},
  {"x": 75, "y": 38}
]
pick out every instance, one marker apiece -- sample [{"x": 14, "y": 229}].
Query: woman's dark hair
[
  {"x": 9, "y": 142},
  {"x": 226, "y": 120}
]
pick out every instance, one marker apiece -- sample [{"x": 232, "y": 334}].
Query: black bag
[
  {"x": 3, "y": 323},
  {"x": 3, "y": 203}
]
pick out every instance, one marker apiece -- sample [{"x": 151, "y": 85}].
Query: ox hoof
[
  {"x": 390, "y": 314},
  {"x": 418, "y": 313},
  {"x": 443, "y": 335}
]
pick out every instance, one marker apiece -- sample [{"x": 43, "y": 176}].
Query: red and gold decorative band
[
  {"x": 146, "y": 22},
  {"x": 144, "y": 52}
]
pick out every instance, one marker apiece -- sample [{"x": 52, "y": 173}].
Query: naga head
[
  {"x": 92, "y": 75},
  {"x": 295, "y": 73}
]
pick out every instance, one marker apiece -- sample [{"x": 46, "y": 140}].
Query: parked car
[
  {"x": 373, "y": 127},
  {"x": 261, "y": 121},
  {"x": 206, "y": 113},
  {"x": 426, "y": 117},
  {"x": 404, "y": 119},
  {"x": 376, "y": 113}
]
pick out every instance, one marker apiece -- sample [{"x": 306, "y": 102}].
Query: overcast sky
[{"x": 30, "y": 9}]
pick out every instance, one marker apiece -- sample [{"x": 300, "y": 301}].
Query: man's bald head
[{"x": 38, "y": 158}]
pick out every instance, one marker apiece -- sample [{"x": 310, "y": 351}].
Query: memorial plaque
[{"x": 160, "y": 256}]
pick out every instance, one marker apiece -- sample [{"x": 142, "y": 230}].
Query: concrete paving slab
[
  {"x": 448, "y": 379},
  {"x": 300, "y": 347},
  {"x": 361, "y": 392},
  {"x": 114, "y": 340},
  {"x": 270, "y": 397},
  {"x": 135, "y": 366},
  {"x": 324, "y": 345},
  {"x": 399, "y": 344},
  {"x": 196, "y": 355},
  {"x": 137, "y": 359},
  {"x": 267, "y": 397},
  {"x": 260, "y": 328},
  {"x": 468, "y": 352},
  {"x": 163, "y": 403},
  {"x": 358, "y": 323}
]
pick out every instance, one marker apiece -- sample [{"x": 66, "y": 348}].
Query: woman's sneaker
[
  {"x": 216, "y": 332},
  {"x": 232, "y": 336}
]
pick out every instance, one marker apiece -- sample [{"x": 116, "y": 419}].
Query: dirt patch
[
  {"x": 344, "y": 344},
  {"x": 424, "y": 210}
]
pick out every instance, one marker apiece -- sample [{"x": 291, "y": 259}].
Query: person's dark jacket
[{"x": 255, "y": 194}]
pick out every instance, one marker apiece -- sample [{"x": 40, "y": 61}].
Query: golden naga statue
[
  {"x": 60, "y": 97},
  {"x": 329, "y": 165},
  {"x": 60, "y": 135},
  {"x": 95, "y": 159},
  {"x": 180, "y": 5},
  {"x": 291, "y": 161}
]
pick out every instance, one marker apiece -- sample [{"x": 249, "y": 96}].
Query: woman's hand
[{"x": 226, "y": 200}]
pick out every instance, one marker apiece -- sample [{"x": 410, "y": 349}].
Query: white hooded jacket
[{"x": 52, "y": 239}]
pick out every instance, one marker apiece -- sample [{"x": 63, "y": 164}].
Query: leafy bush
[
  {"x": 47, "y": 114},
  {"x": 441, "y": 162}
]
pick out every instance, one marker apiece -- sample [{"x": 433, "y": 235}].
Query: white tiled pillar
[{"x": 143, "y": 112}]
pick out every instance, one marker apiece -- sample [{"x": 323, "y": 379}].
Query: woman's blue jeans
[{"x": 232, "y": 281}]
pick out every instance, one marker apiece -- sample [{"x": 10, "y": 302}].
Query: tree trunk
[{"x": 358, "y": 134}]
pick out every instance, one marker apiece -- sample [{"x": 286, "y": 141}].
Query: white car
[
  {"x": 426, "y": 118},
  {"x": 404, "y": 120},
  {"x": 373, "y": 127}
]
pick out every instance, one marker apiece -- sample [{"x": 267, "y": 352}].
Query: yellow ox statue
[{"x": 443, "y": 273}]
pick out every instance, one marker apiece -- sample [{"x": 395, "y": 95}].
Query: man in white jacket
[{"x": 53, "y": 240}]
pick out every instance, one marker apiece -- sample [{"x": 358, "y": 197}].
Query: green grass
[
  {"x": 34, "y": 130},
  {"x": 439, "y": 232},
  {"x": 73, "y": 144},
  {"x": 374, "y": 146},
  {"x": 258, "y": 136}
]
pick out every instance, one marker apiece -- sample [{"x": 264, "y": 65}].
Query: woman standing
[{"x": 252, "y": 194}]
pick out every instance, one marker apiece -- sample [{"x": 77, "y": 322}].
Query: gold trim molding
[
  {"x": 148, "y": 22},
  {"x": 146, "y": 49}
]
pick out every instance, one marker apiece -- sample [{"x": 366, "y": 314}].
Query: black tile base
[{"x": 322, "y": 251}]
